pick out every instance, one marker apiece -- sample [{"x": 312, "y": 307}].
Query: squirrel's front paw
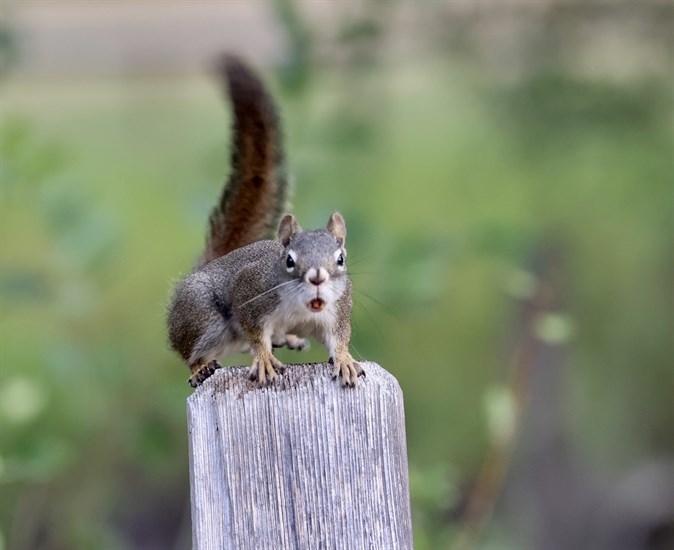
[
  {"x": 265, "y": 368},
  {"x": 347, "y": 369},
  {"x": 202, "y": 373}
]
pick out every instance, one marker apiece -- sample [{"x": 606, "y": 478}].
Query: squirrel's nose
[{"x": 316, "y": 276}]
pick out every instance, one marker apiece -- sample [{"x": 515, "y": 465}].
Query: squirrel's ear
[
  {"x": 287, "y": 228},
  {"x": 337, "y": 228}
]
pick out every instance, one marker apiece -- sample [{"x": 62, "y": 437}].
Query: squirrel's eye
[
  {"x": 340, "y": 260},
  {"x": 290, "y": 263}
]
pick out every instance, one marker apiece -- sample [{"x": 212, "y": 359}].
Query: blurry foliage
[
  {"x": 447, "y": 180},
  {"x": 8, "y": 48},
  {"x": 66, "y": 358},
  {"x": 295, "y": 70},
  {"x": 572, "y": 105},
  {"x": 434, "y": 493}
]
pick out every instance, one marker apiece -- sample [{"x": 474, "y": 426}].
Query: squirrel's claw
[
  {"x": 203, "y": 372},
  {"x": 348, "y": 370},
  {"x": 264, "y": 369}
]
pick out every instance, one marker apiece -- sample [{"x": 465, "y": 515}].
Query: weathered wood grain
[{"x": 301, "y": 464}]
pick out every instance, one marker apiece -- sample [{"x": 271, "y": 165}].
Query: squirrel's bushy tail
[{"x": 254, "y": 197}]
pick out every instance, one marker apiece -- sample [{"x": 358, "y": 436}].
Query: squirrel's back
[{"x": 254, "y": 197}]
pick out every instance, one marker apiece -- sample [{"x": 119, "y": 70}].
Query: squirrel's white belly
[{"x": 293, "y": 316}]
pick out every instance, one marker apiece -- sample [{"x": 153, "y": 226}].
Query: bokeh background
[{"x": 505, "y": 170}]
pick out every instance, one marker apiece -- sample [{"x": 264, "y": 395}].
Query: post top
[{"x": 296, "y": 377}]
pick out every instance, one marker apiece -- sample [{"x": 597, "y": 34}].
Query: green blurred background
[{"x": 505, "y": 170}]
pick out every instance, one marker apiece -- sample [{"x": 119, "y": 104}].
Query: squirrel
[{"x": 253, "y": 290}]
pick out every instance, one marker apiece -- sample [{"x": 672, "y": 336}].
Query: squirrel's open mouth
[{"x": 316, "y": 305}]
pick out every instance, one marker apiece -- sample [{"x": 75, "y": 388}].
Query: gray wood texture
[{"x": 303, "y": 463}]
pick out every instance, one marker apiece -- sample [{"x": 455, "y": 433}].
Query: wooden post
[{"x": 303, "y": 463}]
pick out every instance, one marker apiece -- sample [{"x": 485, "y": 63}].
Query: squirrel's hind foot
[
  {"x": 291, "y": 341},
  {"x": 201, "y": 373}
]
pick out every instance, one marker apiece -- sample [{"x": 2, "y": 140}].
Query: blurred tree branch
[{"x": 515, "y": 395}]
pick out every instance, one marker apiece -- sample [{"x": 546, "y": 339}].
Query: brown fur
[{"x": 255, "y": 194}]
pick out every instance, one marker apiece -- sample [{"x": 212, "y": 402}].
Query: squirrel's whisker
[
  {"x": 268, "y": 291},
  {"x": 378, "y": 302}
]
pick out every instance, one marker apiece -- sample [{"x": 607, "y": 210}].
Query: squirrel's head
[{"x": 316, "y": 259}]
